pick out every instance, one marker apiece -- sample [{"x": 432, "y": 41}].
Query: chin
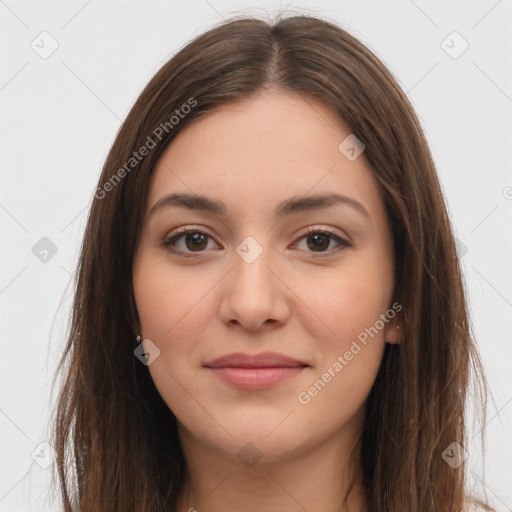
[{"x": 259, "y": 442}]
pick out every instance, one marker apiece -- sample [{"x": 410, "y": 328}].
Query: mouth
[{"x": 253, "y": 372}]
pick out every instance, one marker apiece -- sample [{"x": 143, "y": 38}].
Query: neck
[{"x": 316, "y": 480}]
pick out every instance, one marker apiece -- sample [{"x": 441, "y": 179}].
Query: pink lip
[{"x": 254, "y": 372}]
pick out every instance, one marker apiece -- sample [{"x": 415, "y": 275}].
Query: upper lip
[{"x": 263, "y": 360}]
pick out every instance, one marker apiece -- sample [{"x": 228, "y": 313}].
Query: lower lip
[{"x": 256, "y": 378}]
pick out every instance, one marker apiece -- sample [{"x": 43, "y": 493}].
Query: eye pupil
[
  {"x": 319, "y": 241},
  {"x": 197, "y": 239}
]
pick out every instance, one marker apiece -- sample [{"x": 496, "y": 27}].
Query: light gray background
[{"x": 59, "y": 116}]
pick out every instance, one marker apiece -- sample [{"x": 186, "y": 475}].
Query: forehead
[
  {"x": 271, "y": 127},
  {"x": 260, "y": 150}
]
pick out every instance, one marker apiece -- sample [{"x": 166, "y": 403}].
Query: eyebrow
[{"x": 289, "y": 206}]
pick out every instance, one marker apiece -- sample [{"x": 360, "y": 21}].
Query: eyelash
[{"x": 343, "y": 244}]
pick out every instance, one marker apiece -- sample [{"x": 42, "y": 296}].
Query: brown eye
[
  {"x": 319, "y": 241},
  {"x": 194, "y": 241}
]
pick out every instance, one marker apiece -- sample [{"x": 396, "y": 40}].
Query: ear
[{"x": 392, "y": 332}]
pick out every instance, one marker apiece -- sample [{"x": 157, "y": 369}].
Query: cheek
[
  {"x": 336, "y": 394},
  {"x": 351, "y": 303},
  {"x": 348, "y": 300},
  {"x": 171, "y": 303},
  {"x": 173, "y": 310}
]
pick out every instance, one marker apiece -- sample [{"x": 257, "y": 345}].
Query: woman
[{"x": 269, "y": 311}]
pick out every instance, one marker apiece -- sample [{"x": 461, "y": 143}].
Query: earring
[{"x": 138, "y": 338}]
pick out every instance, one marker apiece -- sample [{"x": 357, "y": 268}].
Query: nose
[{"x": 254, "y": 295}]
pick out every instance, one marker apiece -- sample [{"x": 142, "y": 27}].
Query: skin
[{"x": 198, "y": 304}]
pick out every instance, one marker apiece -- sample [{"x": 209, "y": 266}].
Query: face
[{"x": 265, "y": 268}]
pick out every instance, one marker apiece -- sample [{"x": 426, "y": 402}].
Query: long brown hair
[{"x": 116, "y": 439}]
